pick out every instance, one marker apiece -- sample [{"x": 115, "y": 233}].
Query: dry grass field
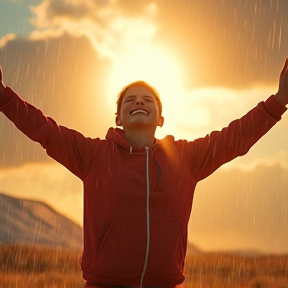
[
  {"x": 39, "y": 267},
  {"x": 42, "y": 267},
  {"x": 214, "y": 270}
]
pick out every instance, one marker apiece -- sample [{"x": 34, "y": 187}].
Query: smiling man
[
  {"x": 138, "y": 190},
  {"x": 139, "y": 112}
]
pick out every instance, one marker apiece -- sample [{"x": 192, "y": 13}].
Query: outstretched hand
[{"x": 282, "y": 94}]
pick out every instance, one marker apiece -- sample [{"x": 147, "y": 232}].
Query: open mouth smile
[{"x": 139, "y": 111}]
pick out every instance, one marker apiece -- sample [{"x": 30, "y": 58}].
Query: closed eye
[
  {"x": 129, "y": 99},
  {"x": 149, "y": 99},
  {"x": 146, "y": 99}
]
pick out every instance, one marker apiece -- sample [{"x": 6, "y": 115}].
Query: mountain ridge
[{"x": 27, "y": 221}]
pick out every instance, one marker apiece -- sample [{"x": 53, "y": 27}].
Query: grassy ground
[
  {"x": 39, "y": 267},
  {"x": 224, "y": 270},
  {"x": 42, "y": 267}
]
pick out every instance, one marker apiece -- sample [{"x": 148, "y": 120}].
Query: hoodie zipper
[{"x": 147, "y": 217}]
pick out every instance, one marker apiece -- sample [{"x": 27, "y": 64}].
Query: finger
[{"x": 1, "y": 74}]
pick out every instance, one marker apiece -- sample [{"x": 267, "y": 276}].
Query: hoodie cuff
[
  {"x": 6, "y": 96},
  {"x": 274, "y": 107}
]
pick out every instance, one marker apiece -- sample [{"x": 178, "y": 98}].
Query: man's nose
[{"x": 139, "y": 101}]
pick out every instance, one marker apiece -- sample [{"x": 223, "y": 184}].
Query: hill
[{"x": 33, "y": 222}]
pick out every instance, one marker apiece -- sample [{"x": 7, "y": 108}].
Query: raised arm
[
  {"x": 219, "y": 147},
  {"x": 66, "y": 146}
]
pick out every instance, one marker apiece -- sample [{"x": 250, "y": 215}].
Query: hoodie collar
[{"x": 117, "y": 135}]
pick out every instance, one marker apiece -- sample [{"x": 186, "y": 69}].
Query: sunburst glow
[{"x": 153, "y": 65}]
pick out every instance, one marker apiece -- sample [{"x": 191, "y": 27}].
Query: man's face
[{"x": 139, "y": 109}]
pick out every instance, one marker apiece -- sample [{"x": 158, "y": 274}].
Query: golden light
[
  {"x": 156, "y": 66},
  {"x": 160, "y": 68}
]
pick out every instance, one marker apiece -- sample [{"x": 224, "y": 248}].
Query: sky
[{"x": 212, "y": 61}]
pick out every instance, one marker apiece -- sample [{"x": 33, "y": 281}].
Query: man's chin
[{"x": 141, "y": 123}]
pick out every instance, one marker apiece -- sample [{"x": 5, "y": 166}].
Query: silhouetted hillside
[{"x": 33, "y": 222}]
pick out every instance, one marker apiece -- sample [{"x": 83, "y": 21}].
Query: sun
[{"x": 156, "y": 66}]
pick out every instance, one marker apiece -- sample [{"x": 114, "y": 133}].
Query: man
[{"x": 138, "y": 190}]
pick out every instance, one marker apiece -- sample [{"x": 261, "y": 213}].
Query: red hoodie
[{"x": 137, "y": 201}]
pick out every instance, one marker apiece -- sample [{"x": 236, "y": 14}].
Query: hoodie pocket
[{"x": 123, "y": 247}]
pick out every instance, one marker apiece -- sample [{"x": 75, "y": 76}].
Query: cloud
[
  {"x": 280, "y": 158},
  {"x": 226, "y": 44},
  {"x": 111, "y": 26},
  {"x": 5, "y": 39}
]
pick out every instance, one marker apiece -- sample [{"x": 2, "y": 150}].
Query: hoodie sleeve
[
  {"x": 207, "y": 154},
  {"x": 66, "y": 146}
]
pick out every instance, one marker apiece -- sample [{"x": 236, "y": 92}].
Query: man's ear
[
  {"x": 118, "y": 121},
  {"x": 161, "y": 121}
]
